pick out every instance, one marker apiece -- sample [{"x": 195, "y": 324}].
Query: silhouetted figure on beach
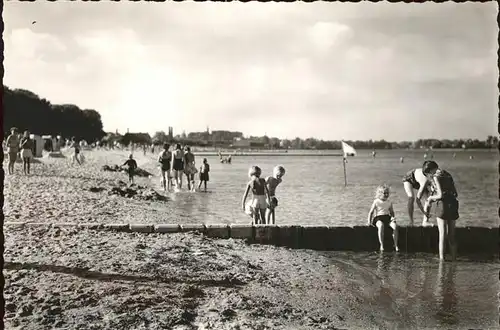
[
  {"x": 76, "y": 152},
  {"x": 26, "y": 146},
  {"x": 131, "y": 168},
  {"x": 12, "y": 144}
]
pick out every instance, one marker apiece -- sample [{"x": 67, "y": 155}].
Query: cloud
[{"x": 328, "y": 70}]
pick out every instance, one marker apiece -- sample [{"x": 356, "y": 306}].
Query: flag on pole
[{"x": 348, "y": 150}]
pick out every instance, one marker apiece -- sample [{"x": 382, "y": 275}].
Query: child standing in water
[
  {"x": 165, "y": 159},
  {"x": 272, "y": 183},
  {"x": 260, "y": 199},
  {"x": 204, "y": 177},
  {"x": 132, "y": 166},
  {"x": 382, "y": 215}
]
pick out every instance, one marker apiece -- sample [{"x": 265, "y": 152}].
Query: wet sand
[{"x": 83, "y": 279}]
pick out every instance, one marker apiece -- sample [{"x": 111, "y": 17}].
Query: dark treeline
[
  {"x": 27, "y": 111},
  {"x": 265, "y": 142}
]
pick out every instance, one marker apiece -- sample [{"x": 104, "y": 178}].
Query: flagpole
[
  {"x": 345, "y": 174},
  {"x": 343, "y": 164}
]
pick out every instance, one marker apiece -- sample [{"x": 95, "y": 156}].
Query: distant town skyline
[{"x": 331, "y": 71}]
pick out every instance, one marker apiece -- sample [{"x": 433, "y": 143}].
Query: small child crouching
[{"x": 381, "y": 215}]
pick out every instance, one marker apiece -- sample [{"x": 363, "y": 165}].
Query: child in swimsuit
[
  {"x": 165, "y": 159},
  {"x": 204, "y": 177},
  {"x": 273, "y": 182},
  {"x": 381, "y": 215},
  {"x": 260, "y": 200},
  {"x": 132, "y": 166}
]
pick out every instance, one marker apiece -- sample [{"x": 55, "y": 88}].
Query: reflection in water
[{"x": 445, "y": 293}]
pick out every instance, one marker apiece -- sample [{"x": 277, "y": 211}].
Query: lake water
[{"x": 313, "y": 190}]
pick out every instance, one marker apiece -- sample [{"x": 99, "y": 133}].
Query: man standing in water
[
  {"x": 416, "y": 180},
  {"x": 12, "y": 144}
]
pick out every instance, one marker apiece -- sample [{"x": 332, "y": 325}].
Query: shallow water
[
  {"x": 416, "y": 291},
  {"x": 313, "y": 190}
]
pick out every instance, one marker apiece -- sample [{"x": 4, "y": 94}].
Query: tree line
[
  {"x": 315, "y": 144},
  {"x": 25, "y": 110}
]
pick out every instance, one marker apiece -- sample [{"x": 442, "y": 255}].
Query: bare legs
[
  {"x": 380, "y": 226},
  {"x": 26, "y": 165},
  {"x": 446, "y": 233},
  {"x": 270, "y": 216},
  {"x": 411, "y": 200},
  {"x": 199, "y": 185}
]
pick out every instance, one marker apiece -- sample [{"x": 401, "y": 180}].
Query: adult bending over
[
  {"x": 177, "y": 165},
  {"x": 446, "y": 201},
  {"x": 416, "y": 180}
]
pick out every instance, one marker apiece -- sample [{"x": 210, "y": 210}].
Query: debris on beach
[
  {"x": 115, "y": 168},
  {"x": 137, "y": 192}
]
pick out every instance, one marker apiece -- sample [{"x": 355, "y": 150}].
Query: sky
[{"x": 353, "y": 71}]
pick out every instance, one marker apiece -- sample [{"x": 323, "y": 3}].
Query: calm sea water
[{"x": 313, "y": 190}]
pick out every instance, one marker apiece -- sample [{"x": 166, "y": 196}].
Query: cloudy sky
[{"x": 328, "y": 70}]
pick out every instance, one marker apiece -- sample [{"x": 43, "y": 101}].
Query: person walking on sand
[
  {"x": 26, "y": 146},
  {"x": 204, "y": 176},
  {"x": 272, "y": 183},
  {"x": 76, "y": 152},
  {"x": 177, "y": 165},
  {"x": 381, "y": 215},
  {"x": 165, "y": 159},
  {"x": 12, "y": 144},
  {"x": 189, "y": 167},
  {"x": 446, "y": 199},
  {"x": 416, "y": 180},
  {"x": 260, "y": 199},
  {"x": 131, "y": 168}
]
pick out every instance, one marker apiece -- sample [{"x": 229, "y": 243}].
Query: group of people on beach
[
  {"x": 433, "y": 184},
  {"x": 176, "y": 163},
  {"x": 19, "y": 145}
]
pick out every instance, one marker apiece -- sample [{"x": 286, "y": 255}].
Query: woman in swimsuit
[
  {"x": 189, "y": 167},
  {"x": 165, "y": 159},
  {"x": 260, "y": 200},
  {"x": 416, "y": 180},
  {"x": 26, "y": 151},
  {"x": 447, "y": 204},
  {"x": 177, "y": 165}
]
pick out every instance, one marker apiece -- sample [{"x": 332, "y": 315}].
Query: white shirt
[{"x": 382, "y": 207}]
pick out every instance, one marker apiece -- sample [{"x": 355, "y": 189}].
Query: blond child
[
  {"x": 381, "y": 215},
  {"x": 260, "y": 200}
]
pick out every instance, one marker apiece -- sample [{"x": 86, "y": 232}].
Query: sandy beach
[
  {"x": 83, "y": 279},
  {"x": 69, "y": 278}
]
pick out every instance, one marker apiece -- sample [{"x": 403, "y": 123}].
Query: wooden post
[{"x": 344, "y": 159}]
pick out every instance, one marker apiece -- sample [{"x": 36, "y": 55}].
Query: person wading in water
[
  {"x": 189, "y": 167},
  {"x": 177, "y": 165}
]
